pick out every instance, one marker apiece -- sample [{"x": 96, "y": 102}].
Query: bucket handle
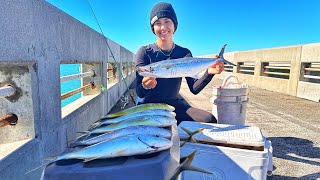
[{"x": 225, "y": 82}]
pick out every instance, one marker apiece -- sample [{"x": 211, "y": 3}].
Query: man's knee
[{"x": 211, "y": 118}]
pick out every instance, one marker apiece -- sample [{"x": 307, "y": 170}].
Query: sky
[{"x": 205, "y": 25}]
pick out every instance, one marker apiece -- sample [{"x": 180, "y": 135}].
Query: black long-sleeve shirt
[{"x": 167, "y": 88}]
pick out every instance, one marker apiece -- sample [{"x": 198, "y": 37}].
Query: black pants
[{"x": 187, "y": 113}]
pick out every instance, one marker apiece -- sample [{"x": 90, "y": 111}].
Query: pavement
[{"x": 292, "y": 125}]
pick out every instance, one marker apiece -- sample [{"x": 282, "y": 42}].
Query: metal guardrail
[
  {"x": 246, "y": 68},
  {"x": 90, "y": 73},
  {"x": 276, "y": 73},
  {"x": 228, "y": 68},
  {"x": 76, "y": 91},
  {"x": 9, "y": 119},
  {"x": 311, "y": 77},
  {"x": 312, "y": 69},
  {"x": 7, "y": 91},
  {"x": 276, "y": 69}
]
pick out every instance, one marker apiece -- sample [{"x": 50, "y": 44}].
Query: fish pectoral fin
[{"x": 91, "y": 159}]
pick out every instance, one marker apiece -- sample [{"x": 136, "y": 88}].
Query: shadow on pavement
[
  {"x": 306, "y": 177},
  {"x": 295, "y": 149}
]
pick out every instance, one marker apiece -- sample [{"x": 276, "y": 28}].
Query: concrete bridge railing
[
  {"x": 36, "y": 39},
  {"x": 293, "y": 70}
]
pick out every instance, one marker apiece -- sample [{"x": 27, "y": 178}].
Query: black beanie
[{"x": 162, "y": 10}]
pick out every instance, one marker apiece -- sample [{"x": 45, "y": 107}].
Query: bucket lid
[{"x": 223, "y": 133}]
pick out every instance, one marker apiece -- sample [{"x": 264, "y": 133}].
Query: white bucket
[{"x": 229, "y": 103}]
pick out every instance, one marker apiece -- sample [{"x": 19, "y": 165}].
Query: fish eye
[{"x": 153, "y": 147}]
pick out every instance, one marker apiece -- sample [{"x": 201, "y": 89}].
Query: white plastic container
[
  {"x": 229, "y": 101},
  {"x": 226, "y": 163}
]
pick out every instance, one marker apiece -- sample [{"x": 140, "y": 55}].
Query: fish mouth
[
  {"x": 157, "y": 148},
  {"x": 150, "y": 146},
  {"x": 143, "y": 70}
]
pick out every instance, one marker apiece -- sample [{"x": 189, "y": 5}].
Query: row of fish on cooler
[{"x": 133, "y": 131}]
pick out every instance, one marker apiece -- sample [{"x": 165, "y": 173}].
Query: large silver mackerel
[
  {"x": 183, "y": 67},
  {"x": 158, "y": 121},
  {"x": 149, "y": 130},
  {"x": 122, "y": 146},
  {"x": 150, "y": 112}
]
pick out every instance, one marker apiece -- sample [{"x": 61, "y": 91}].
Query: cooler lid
[{"x": 223, "y": 133}]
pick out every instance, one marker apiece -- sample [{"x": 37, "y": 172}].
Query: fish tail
[
  {"x": 103, "y": 118},
  {"x": 222, "y": 51},
  {"x": 75, "y": 143},
  {"x": 222, "y": 58},
  {"x": 184, "y": 162},
  {"x": 72, "y": 145},
  {"x": 186, "y": 165},
  {"x": 83, "y": 132},
  {"x": 84, "y": 136},
  {"x": 191, "y": 134},
  {"x": 184, "y": 142},
  {"x": 94, "y": 125}
]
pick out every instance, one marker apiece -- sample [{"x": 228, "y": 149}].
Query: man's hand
[
  {"x": 149, "y": 82},
  {"x": 217, "y": 67}
]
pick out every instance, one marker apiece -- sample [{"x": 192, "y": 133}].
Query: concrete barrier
[
  {"x": 293, "y": 56},
  {"x": 36, "y": 38}
]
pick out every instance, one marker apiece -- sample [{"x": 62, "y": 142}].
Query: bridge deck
[{"x": 292, "y": 124}]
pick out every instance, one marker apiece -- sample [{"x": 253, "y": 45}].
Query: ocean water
[{"x": 65, "y": 70}]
